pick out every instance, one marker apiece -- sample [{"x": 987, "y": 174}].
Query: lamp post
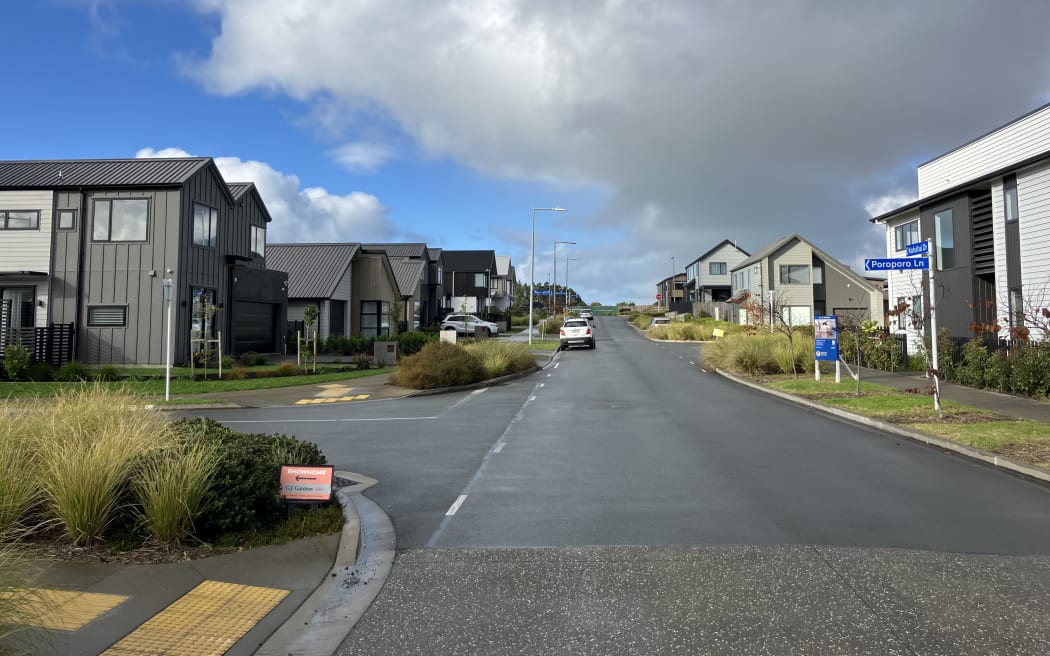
[
  {"x": 567, "y": 260},
  {"x": 670, "y": 290},
  {"x": 532, "y": 261},
  {"x": 169, "y": 286},
  {"x": 556, "y": 242}
]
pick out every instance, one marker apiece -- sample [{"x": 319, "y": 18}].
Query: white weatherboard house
[{"x": 986, "y": 204}]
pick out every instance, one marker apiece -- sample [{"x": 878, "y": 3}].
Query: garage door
[{"x": 254, "y": 327}]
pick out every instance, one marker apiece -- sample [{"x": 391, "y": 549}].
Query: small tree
[
  {"x": 396, "y": 306},
  {"x": 782, "y": 322},
  {"x": 310, "y": 315}
]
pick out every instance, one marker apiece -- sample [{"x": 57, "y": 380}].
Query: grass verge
[{"x": 1022, "y": 440}]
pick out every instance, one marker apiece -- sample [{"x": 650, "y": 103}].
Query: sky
[{"x": 662, "y": 127}]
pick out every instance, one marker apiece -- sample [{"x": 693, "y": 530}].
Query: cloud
[
  {"x": 888, "y": 202},
  {"x": 309, "y": 214},
  {"x": 362, "y": 157},
  {"x": 705, "y": 120}
]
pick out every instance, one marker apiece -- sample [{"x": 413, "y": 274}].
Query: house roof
[
  {"x": 712, "y": 251},
  {"x": 313, "y": 270},
  {"x": 103, "y": 173},
  {"x": 407, "y": 272},
  {"x": 434, "y": 254},
  {"x": 417, "y": 250},
  {"x": 767, "y": 251},
  {"x": 238, "y": 191},
  {"x": 470, "y": 261},
  {"x": 503, "y": 267}
]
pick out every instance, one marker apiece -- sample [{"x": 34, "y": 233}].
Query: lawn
[{"x": 154, "y": 387}]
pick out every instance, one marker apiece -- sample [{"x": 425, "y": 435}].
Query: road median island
[{"x": 1019, "y": 445}]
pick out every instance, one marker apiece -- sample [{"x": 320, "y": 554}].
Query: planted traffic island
[{"x": 441, "y": 365}]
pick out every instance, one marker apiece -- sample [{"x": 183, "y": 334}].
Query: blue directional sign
[
  {"x": 542, "y": 292},
  {"x": 896, "y": 263},
  {"x": 918, "y": 248}
]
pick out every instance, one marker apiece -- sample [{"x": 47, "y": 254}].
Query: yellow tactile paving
[
  {"x": 206, "y": 621},
  {"x": 355, "y": 397},
  {"x": 64, "y": 610},
  {"x": 334, "y": 390}
]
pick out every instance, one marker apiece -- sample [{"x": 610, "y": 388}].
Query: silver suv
[
  {"x": 465, "y": 324},
  {"x": 577, "y": 332}
]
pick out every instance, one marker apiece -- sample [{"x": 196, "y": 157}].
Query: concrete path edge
[
  {"x": 362, "y": 564},
  {"x": 993, "y": 459}
]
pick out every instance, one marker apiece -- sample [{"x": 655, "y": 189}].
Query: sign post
[{"x": 936, "y": 371}]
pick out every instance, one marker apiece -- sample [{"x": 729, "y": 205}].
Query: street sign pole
[{"x": 933, "y": 338}]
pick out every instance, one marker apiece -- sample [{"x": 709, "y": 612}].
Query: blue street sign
[
  {"x": 918, "y": 248},
  {"x": 542, "y": 292},
  {"x": 896, "y": 263}
]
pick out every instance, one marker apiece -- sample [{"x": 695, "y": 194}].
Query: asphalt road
[{"x": 626, "y": 501}]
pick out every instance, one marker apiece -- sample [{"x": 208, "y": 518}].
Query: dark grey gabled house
[
  {"x": 467, "y": 280},
  {"x": 115, "y": 229},
  {"x": 413, "y": 259}
]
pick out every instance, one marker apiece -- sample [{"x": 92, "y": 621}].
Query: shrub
[
  {"x": 41, "y": 372},
  {"x": 236, "y": 373},
  {"x": 502, "y": 358},
  {"x": 411, "y": 342},
  {"x": 107, "y": 373},
  {"x": 16, "y": 361},
  {"x": 362, "y": 360},
  {"x": 1027, "y": 375},
  {"x": 287, "y": 368},
  {"x": 997, "y": 374},
  {"x": 228, "y": 361},
  {"x": 971, "y": 370},
  {"x": 244, "y": 492},
  {"x": 745, "y": 354},
  {"x": 437, "y": 365},
  {"x": 251, "y": 359},
  {"x": 784, "y": 359},
  {"x": 74, "y": 372}
]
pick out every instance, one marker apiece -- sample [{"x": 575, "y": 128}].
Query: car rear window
[{"x": 576, "y": 323}]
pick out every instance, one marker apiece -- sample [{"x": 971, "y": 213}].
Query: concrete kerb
[
  {"x": 987, "y": 457},
  {"x": 362, "y": 564}
]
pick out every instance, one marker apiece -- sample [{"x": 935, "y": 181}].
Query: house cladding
[
  {"x": 986, "y": 206},
  {"x": 124, "y": 226}
]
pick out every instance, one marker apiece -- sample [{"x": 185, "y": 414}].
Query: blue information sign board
[
  {"x": 826, "y": 337},
  {"x": 896, "y": 263}
]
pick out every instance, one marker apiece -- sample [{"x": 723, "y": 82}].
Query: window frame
[
  {"x": 1010, "y": 199},
  {"x": 93, "y": 323},
  {"x": 945, "y": 217},
  {"x": 5, "y": 219},
  {"x": 255, "y": 232},
  {"x": 381, "y": 313},
  {"x": 109, "y": 226},
  {"x": 211, "y": 221},
  {"x": 900, "y": 242},
  {"x": 1015, "y": 297},
  {"x": 723, "y": 268},
  {"x": 66, "y": 212},
  {"x": 787, "y": 268}
]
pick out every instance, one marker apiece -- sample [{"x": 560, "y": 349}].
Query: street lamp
[
  {"x": 556, "y": 271},
  {"x": 670, "y": 291},
  {"x": 532, "y": 261},
  {"x": 567, "y": 260}
]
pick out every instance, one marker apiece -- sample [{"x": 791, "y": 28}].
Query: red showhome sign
[
  {"x": 659, "y": 296},
  {"x": 308, "y": 483}
]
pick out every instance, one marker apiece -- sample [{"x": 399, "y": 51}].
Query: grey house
[
  {"x": 468, "y": 276},
  {"x": 413, "y": 259},
  {"x": 435, "y": 292},
  {"x": 102, "y": 235},
  {"x": 801, "y": 281},
  {"x": 707, "y": 278},
  {"x": 353, "y": 288}
]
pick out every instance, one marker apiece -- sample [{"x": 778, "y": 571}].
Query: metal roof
[
  {"x": 238, "y": 191},
  {"x": 408, "y": 272},
  {"x": 712, "y": 251},
  {"x": 144, "y": 172},
  {"x": 503, "y": 267},
  {"x": 476, "y": 261},
  {"x": 313, "y": 270},
  {"x": 418, "y": 250}
]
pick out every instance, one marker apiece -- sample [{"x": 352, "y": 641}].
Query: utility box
[{"x": 385, "y": 354}]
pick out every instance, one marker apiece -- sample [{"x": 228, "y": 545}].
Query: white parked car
[
  {"x": 577, "y": 332},
  {"x": 659, "y": 321},
  {"x": 465, "y": 324}
]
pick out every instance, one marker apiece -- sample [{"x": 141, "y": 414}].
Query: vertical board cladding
[
  {"x": 119, "y": 274},
  {"x": 371, "y": 280},
  {"x": 66, "y": 260},
  {"x": 246, "y": 212},
  {"x": 955, "y": 285},
  {"x": 27, "y": 250},
  {"x": 999, "y": 237},
  {"x": 1024, "y": 138},
  {"x": 1033, "y": 201},
  {"x": 344, "y": 290}
]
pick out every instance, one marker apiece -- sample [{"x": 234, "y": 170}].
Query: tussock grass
[
  {"x": 90, "y": 440},
  {"x": 502, "y": 358},
  {"x": 20, "y": 463},
  {"x": 171, "y": 486},
  {"x": 17, "y": 598}
]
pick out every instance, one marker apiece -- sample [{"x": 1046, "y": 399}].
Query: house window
[
  {"x": 797, "y": 315},
  {"x": 916, "y": 311},
  {"x": 121, "y": 219},
  {"x": 1016, "y": 308},
  {"x": 818, "y": 275},
  {"x": 205, "y": 222},
  {"x": 716, "y": 268},
  {"x": 375, "y": 318},
  {"x": 111, "y": 316},
  {"x": 944, "y": 232},
  {"x": 67, "y": 219},
  {"x": 23, "y": 308},
  {"x": 904, "y": 234},
  {"x": 794, "y": 274},
  {"x": 259, "y": 241},
  {"x": 19, "y": 220},
  {"x": 1010, "y": 198},
  {"x": 479, "y": 280}
]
